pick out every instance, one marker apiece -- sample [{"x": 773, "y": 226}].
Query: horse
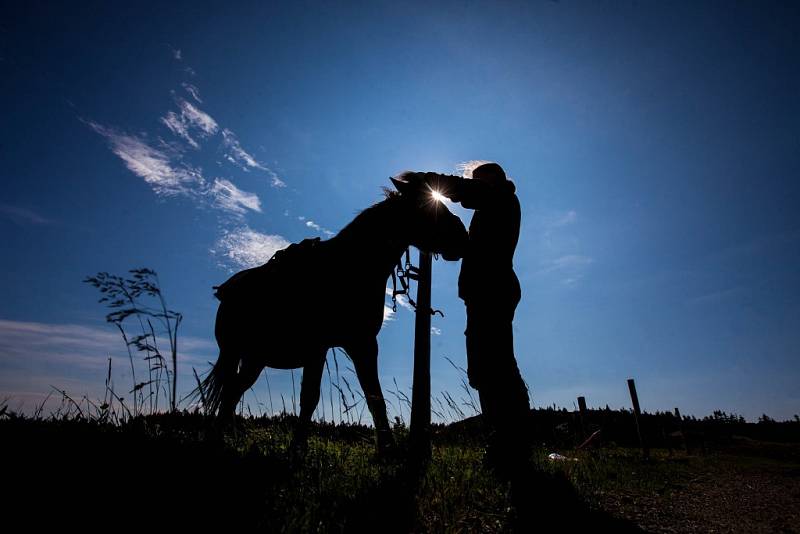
[{"x": 271, "y": 316}]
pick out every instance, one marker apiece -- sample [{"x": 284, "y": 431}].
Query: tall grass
[{"x": 139, "y": 299}]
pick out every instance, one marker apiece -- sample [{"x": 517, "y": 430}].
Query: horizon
[{"x": 654, "y": 148}]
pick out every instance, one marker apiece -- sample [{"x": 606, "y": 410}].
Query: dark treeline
[{"x": 562, "y": 428}]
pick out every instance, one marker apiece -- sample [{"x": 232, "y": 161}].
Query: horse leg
[
  {"x": 242, "y": 381},
  {"x": 309, "y": 397},
  {"x": 225, "y": 371},
  {"x": 365, "y": 360}
]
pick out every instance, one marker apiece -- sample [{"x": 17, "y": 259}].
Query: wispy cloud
[
  {"x": 718, "y": 295},
  {"x": 466, "y": 167},
  {"x": 229, "y": 197},
  {"x": 236, "y": 154},
  {"x": 402, "y": 300},
  {"x": 554, "y": 225},
  {"x": 276, "y": 181},
  {"x": 169, "y": 176},
  {"x": 179, "y": 127},
  {"x": 149, "y": 163},
  {"x": 177, "y": 54},
  {"x": 436, "y": 331},
  {"x": 55, "y": 344},
  {"x": 239, "y": 157},
  {"x": 75, "y": 345},
  {"x": 197, "y": 118},
  {"x": 561, "y": 244},
  {"x": 22, "y": 215},
  {"x": 245, "y": 248},
  {"x": 388, "y": 314},
  {"x": 34, "y": 356},
  {"x": 314, "y": 226},
  {"x": 569, "y": 261},
  {"x": 170, "y": 169},
  {"x": 571, "y": 268},
  {"x": 563, "y": 219},
  {"x": 192, "y": 90},
  {"x": 190, "y": 119}
]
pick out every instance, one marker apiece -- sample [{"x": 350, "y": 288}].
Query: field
[{"x": 179, "y": 471}]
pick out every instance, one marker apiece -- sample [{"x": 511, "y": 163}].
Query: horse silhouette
[{"x": 320, "y": 294}]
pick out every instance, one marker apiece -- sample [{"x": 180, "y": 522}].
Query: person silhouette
[{"x": 491, "y": 292}]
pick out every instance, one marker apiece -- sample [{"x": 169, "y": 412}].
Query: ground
[
  {"x": 750, "y": 486},
  {"x": 179, "y": 472}
]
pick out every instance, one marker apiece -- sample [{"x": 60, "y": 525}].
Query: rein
[{"x": 405, "y": 273}]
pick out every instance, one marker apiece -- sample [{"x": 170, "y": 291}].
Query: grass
[
  {"x": 247, "y": 478},
  {"x": 177, "y": 470},
  {"x": 613, "y": 469}
]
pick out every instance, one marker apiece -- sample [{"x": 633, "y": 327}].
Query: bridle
[{"x": 404, "y": 273}]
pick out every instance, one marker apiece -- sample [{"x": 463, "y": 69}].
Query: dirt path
[{"x": 754, "y": 489}]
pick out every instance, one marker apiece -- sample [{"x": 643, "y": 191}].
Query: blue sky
[{"x": 655, "y": 148}]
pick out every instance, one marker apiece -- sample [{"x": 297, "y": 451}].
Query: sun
[{"x": 437, "y": 196}]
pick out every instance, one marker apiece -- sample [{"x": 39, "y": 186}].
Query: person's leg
[
  {"x": 511, "y": 391},
  {"x": 503, "y": 395},
  {"x": 541, "y": 500},
  {"x": 476, "y": 344}
]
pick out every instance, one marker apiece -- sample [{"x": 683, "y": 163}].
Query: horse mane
[
  {"x": 388, "y": 193},
  {"x": 371, "y": 216}
]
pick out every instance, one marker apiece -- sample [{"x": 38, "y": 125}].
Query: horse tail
[{"x": 218, "y": 381}]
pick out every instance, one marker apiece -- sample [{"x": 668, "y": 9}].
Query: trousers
[{"x": 492, "y": 370}]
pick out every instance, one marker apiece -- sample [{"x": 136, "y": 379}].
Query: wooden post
[
  {"x": 682, "y": 431},
  {"x": 420, "y": 438},
  {"x": 584, "y": 416},
  {"x": 636, "y": 416}
]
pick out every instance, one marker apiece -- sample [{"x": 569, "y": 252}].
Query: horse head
[{"x": 431, "y": 225}]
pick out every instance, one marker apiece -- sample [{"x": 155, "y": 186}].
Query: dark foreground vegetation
[{"x": 178, "y": 471}]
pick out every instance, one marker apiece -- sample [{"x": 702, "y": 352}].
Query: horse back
[{"x": 285, "y": 270}]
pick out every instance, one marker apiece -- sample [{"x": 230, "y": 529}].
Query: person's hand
[{"x": 447, "y": 185}]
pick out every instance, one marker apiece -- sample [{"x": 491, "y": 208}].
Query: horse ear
[{"x": 401, "y": 185}]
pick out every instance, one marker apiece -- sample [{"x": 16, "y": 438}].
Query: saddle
[{"x": 292, "y": 263}]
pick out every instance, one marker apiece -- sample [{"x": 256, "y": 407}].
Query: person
[{"x": 491, "y": 292}]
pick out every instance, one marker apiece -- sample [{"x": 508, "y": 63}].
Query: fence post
[
  {"x": 683, "y": 432},
  {"x": 584, "y": 416},
  {"x": 636, "y": 416},
  {"x": 420, "y": 438}
]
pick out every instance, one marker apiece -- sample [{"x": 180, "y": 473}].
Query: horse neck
[{"x": 377, "y": 236}]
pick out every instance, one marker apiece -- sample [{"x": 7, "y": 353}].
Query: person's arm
[{"x": 472, "y": 194}]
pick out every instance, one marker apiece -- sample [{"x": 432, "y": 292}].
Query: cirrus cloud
[
  {"x": 245, "y": 248},
  {"x": 151, "y": 164},
  {"x": 172, "y": 168},
  {"x": 229, "y": 197}
]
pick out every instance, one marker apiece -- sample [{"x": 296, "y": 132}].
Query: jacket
[{"x": 487, "y": 270}]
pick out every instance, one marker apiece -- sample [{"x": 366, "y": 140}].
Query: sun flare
[{"x": 437, "y": 196}]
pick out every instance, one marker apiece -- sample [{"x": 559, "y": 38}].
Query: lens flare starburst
[{"x": 437, "y": 196}]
